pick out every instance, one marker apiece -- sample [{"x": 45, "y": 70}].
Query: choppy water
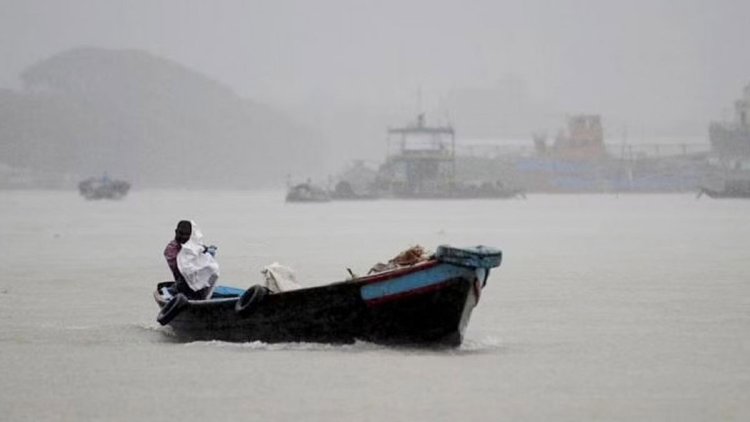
[{"x": 605, "y": 308}]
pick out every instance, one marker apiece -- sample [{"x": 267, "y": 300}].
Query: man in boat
[{"x": 192, "y": 263}]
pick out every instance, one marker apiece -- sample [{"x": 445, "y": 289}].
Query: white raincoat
[{"x": 199, "y": 269}]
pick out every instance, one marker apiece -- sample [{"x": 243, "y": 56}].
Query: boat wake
[
  {"x": 359, "y": 346},
  {"x": 481, "y": 345},
  {"x": 157, "y": 331},
  {"x": 469, "y": 346},
  {"x": 151, "y": 326}
]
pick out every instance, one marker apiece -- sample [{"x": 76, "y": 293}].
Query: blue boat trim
[
  {"x": 416, "y": 281},
  {"x": 226, "y": 292}
]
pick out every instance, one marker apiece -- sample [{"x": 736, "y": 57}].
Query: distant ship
[
  {"x": 730, "y": 147},
  {"x": 103, "y": 188},
  {"x": 422, "y": 164},
  {"x": 730, "y": 139},
  {"x": 579, "y": 161}
]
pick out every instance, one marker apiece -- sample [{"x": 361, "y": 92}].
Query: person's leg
[
  {"x": 182, "y": 287},
  {"x": 208, "y": 291}
]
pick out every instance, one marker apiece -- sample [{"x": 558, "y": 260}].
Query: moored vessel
[
  {"x": 103, "y": 188},
  {"x": 421, "y": 164}
]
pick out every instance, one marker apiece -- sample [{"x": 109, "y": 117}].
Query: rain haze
[
  {"x": 602, "y": 146},
  {"x": 336, "y": 73}
]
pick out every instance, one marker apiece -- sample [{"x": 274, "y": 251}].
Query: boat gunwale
[{"x": 362, "y": 281}]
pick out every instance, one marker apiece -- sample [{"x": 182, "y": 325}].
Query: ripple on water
[{"x": 469, "y": 346}]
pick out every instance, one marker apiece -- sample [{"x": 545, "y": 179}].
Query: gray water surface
[{"x": 632, "y": 307}]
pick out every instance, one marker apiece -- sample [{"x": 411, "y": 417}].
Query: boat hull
[{"x": 428, "y": 304}]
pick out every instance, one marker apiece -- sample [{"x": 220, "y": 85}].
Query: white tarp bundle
[
  {"x": 280, "y": 278},
  {"x": 200, "y": 269}
]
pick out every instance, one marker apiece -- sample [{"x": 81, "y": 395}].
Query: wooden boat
[{"x": 427, "y": 304}]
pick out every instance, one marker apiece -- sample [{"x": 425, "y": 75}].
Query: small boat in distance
[
  {"x": 307, "y": 192},
  {"x": 425, "y": 302},
  {"x": 103, "y": 188}
]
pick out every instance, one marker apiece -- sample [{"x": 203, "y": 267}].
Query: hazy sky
[{"x": 641, "y": 61}]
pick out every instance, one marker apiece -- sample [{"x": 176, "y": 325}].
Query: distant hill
[{"x": 149, "y": 120}]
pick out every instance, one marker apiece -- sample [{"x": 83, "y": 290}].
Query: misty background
[{"x": 245, "y": 94}]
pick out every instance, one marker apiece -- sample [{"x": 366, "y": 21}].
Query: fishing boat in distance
[
  {"x": 307, "y": 192},
  {"x": 426, "y": 303},
  {"x": 103, "y": 188}
]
